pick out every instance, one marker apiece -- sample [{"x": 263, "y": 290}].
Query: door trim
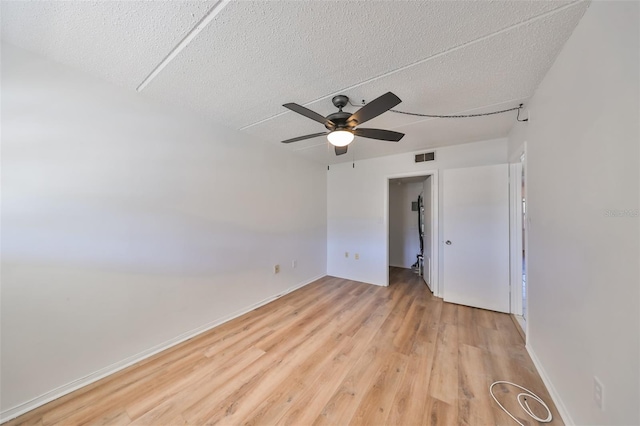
[{"x": 515, "y": 238}]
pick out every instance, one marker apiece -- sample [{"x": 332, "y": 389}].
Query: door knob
[{"x": 448, "y": 242}]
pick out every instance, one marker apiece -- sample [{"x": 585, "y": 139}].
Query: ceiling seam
[
  {"x": 201, "y": 25},
  {"x": 422, "y": 61}
]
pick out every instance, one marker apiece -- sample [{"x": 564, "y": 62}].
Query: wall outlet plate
[
  {"x": 346, "y": 254},
  {"x": 276, "y": 269},
  {"x": 357, "y": 256}
]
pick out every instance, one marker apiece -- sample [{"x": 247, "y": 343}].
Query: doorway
[
  {"x": 519, "y": 240},
  {"x": 412, "y": 226},
  {"x": 523, "y": 231}
]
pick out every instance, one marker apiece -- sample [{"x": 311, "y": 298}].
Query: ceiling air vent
[{"x": 427, "y": 156}]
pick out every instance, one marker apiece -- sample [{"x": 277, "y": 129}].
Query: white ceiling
[{"x": 253, "y": 56}]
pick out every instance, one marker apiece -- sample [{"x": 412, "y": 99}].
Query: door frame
[
  {"x": 435, "y": 228},
  {"x": 515, "y": 219},
  {"x": 516, "y": 226}
]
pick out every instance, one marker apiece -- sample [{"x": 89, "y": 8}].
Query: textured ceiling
[
  {"x": 121, "y": 41},
  {"x": 438, "y": 57}
]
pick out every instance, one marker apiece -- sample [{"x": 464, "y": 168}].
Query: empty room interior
[{"x": 309, "y": 212}]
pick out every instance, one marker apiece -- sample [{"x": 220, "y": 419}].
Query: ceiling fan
[{"x": 342, "y": 126}]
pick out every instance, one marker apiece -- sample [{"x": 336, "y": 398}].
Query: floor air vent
[{"x": 427, "y": 156}]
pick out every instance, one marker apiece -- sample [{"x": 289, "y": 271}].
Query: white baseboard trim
[
  {"x": 562, "y": 409},
  {"x": 60, "y": 391},
  {"x": 521, "y": 321}
]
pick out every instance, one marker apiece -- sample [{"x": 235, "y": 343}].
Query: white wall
[
  {"x": 127, "y": 225},
  {"x": 583, "y": 161},
  {"x": 357, "y": 204},
  {"x": 404, "y": 241}
]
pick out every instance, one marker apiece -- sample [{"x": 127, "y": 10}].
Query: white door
[{"x": 476, "y": 236}]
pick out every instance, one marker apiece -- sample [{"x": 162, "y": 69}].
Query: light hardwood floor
[{"x": 334, "y": 352}]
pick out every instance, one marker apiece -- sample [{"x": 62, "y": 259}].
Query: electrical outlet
[
  {"x": 276, "y": 269},
  {"x": 346, "y": 254},
  {"x": 294, "y": 264},
  {"x": 357, "y": 256},
  {"x": 598, "y": 393}
]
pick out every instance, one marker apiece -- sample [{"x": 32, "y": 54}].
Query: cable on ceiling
[{"x": 416, "y": 114}]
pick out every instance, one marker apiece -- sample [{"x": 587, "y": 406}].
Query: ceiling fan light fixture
[
  {"x": 340, "y": 137},
  {"x": 341, "y": 125}
]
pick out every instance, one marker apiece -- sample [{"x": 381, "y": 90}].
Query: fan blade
[
  {"x": 341, "y": 149},
  {"x": 383, "y": 135},
  {"x": 301, "y": 138},
  {"x": 374, "y": 108},
  {"x": 310, "y": 114}
]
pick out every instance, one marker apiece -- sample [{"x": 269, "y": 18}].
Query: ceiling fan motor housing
[{"x": 341, "y": 121}]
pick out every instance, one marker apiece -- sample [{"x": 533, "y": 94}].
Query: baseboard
[
  {"x": 429, "y": 287},
  {"x": 555, "y": 396},
  {"x": 517, "y": 322},
  {"x": 58, "y": 392}
]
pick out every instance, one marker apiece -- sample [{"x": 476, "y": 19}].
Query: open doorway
[
  {"x": 519, "y": 284},
  {"x": 523, "y": 231},
  {"x": 411, "y": 226}
]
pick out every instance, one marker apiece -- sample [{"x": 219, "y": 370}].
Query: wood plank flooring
[{"x": 335, "y": 352}]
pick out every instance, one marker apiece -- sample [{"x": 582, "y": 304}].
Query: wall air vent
[{"x": 427, "y": 156}]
